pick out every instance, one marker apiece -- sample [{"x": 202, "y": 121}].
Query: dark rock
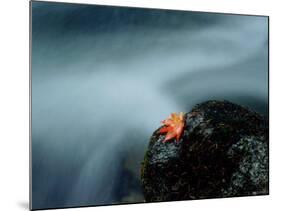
[{"x": 223, "y": 152}]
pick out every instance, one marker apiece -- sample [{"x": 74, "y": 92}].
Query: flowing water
[{"x": 103, "y": 78}]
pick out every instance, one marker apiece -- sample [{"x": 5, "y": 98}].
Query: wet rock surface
[{"x": 223, "y": 152}]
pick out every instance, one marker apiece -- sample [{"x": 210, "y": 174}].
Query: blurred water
[{"x": 103, "y": 78}]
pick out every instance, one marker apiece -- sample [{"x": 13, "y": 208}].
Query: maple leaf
[{"x": 173, "y": 126}]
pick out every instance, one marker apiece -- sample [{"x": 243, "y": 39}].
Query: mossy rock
[{"x": 223, "y": 152}]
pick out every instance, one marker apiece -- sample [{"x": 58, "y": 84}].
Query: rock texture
[{"x": 223, "y": 152}]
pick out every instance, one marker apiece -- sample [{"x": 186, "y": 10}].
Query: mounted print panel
[{"x": 136, "y": 105}]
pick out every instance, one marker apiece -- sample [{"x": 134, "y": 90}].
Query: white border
[{"x": 14, "y": 112}]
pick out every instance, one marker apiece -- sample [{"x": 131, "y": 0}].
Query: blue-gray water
[{"x": 104, "y": 77}]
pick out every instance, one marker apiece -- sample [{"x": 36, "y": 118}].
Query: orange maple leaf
[{"x": 173, "y": 126}]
